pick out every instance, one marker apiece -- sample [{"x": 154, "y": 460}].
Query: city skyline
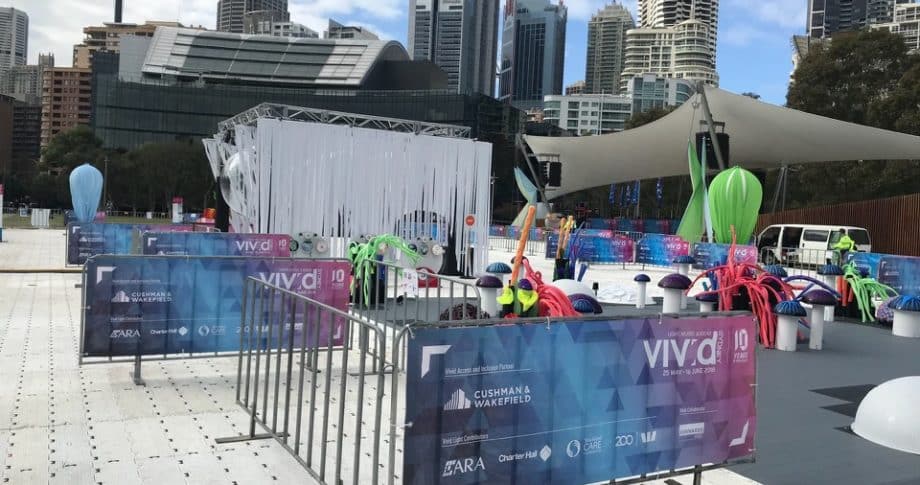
[{"x": 748, "y": 30}]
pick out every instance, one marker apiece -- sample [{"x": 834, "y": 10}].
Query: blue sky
[{"x": 753, "y": 53}]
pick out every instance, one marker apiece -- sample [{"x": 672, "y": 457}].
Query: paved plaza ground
[{"x": 62, "y": 423}]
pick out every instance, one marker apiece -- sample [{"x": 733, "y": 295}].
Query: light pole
[{"x": 105, "y": 185}]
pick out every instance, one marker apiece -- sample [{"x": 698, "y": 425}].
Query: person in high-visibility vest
[{"x": 843, "y": 245}]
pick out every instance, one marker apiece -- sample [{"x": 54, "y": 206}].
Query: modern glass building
[
  {"x": 606, "y": 54},
  {"x": 533, "y": 52},
  {"x": 461, "y": 37},
  {"x": 588, "y": 114},
  {"x": 651, "y": 91}
]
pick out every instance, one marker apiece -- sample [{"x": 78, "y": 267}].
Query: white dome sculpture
[{"x": 889, "y": 415}]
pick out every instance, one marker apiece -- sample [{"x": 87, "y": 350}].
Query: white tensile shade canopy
[{"x": 761, "y": 135}]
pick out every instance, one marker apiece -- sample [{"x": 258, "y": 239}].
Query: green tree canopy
[
  {"x": 865, "y": 77},
  {"x": 72, "y": 148}
]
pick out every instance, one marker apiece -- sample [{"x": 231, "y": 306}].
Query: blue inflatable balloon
[{"x": 85, "y": 189}]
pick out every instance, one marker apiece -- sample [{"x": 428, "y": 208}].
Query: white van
[{"x": 806, "y": 243}]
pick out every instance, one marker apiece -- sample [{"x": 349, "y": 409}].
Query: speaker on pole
[{"x": 703, "y": 142}]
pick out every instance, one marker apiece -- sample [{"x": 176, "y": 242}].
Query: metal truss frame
[{"x": 312, "y": 115}]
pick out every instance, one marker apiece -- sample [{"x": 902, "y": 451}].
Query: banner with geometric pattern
[
  {"x": 159, "y": 305},
  {"x": 578, "y": 402},
  {"x": 87, "y": 240},
  {"x": 216, "y": 244}
]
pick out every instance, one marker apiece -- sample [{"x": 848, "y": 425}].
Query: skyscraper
[
  {"x": 230, "y": 12},
  {"x": 675, "y": 39},
  {"x": 606, "y": 49},
  {"x": 827, "y": 17},
  {"x": 461, "y": 37},
  {"x": 533, "y": 51},
  {"x": 668, "y": 13},
  {"x": 14, "y": 38}
]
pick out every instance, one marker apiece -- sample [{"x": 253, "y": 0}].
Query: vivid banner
[
  {"x": 158, "y": 305},
  {"x": 216, "y": 244},
  {"x": 901, "y": 273},
  {"x": 709, "y": 255},
  {"x": 578, "y": 401},
  {"x": 867, "y": 262},
  {"x": 660, "y": 249},
  {"x": 597, "y": 246},
  {"x": 86, "y": 240}
]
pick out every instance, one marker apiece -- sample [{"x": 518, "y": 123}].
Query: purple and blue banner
[
  {"x": 594, "y": 245},
  {"x": 623, "y": 224},
  {"x": 901, "y": 273},
  {"x": 160, "y": 305},
  {"x": 709, "y": 255},
  {"x": 660, "y": 249},
  {"x": 216, "y": 244},
  {"x": 578, "y": 401},
  {"x": 87, "y": 240}
]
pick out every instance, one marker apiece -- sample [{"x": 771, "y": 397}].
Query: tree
[
  {"x": 869, "y": 78},
  {"x": 72, "y": 148},
  {"x": 646, "y": 117}
]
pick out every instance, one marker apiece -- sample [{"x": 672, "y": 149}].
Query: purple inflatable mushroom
[
  {"x": 707, "y": 301},
  {"x": 489, "y": 286},
  {"x": 642, "y": 280},
  {"x": 674, "y": 286},
  {"x": 819, "y": 300},
  {"x": 499, "y": 270}
]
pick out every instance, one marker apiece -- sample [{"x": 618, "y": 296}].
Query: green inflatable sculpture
[{"x": 735, "y": 196}]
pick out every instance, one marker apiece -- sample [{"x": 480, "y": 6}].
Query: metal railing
[
  {"x": 397, "y": 297},
  {"x": 799, "y": 261},
  {"x": 317, "y": 399},
  {"x": 534, "y": 247}
]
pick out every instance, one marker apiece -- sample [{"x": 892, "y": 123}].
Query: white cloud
[
  {"x": 56, "y": 25},
  {"x": 783, "y": 13}
]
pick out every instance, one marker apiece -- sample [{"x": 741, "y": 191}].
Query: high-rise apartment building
[
  {"x": 107, "y": 37},
  {"x": 461, "y": 37},
  {"x": 650, "y": 91},
  {"x": 230, "y": 12},
  {"x": 675, "y": 39},
  {"x": 337, "y": 30},
  {"x": 533, "y": 51},
  {"x": 606, "y": 54},
  {"x": 681, "y": 51},
  {"x": 905, "y": 22},
  {"x": 827, "y": 17},
  {"x": 66, "y": 100},
  {"x": 24, "y": 83},
  {"x": 669, "y": 13},
  {"x": 14, "y": 38}
]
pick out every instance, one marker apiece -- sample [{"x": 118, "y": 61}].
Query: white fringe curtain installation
[{"x": 340, "y": 181}]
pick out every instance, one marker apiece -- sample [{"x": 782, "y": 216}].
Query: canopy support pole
[
  {"x": 780, "y": 187},
  {"x": 701, "y": 88},
  {"x": 538, "y": 181}
]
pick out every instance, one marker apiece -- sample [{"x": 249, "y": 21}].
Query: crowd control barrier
[
  {"x": 397, "y": 297},
  {"x": 138, "y": 308},
  {"x": 87, "y": 240},
  {"x": 327, "y": 409},
  {"x": 581, "y": 400}
]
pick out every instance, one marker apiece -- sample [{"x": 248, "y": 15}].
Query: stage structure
[{"x": 293, "y": 170}]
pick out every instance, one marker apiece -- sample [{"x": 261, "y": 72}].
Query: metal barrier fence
[
  {"x": 799, "y": 261},
  {"x": 532, "y": 248},
  {"x": 321, "y": 403},
  {"x": 397, "y": 297}
]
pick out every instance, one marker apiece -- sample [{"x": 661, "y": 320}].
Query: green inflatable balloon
[{"x": 735, "y": 196}]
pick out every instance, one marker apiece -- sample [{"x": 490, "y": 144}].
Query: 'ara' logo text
[
  {"x": 461, "y": 466},
  {"x": 126, "y": 333},
  {"x": 293, "y": 281},
  {"x": 665, "y": 351}
]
